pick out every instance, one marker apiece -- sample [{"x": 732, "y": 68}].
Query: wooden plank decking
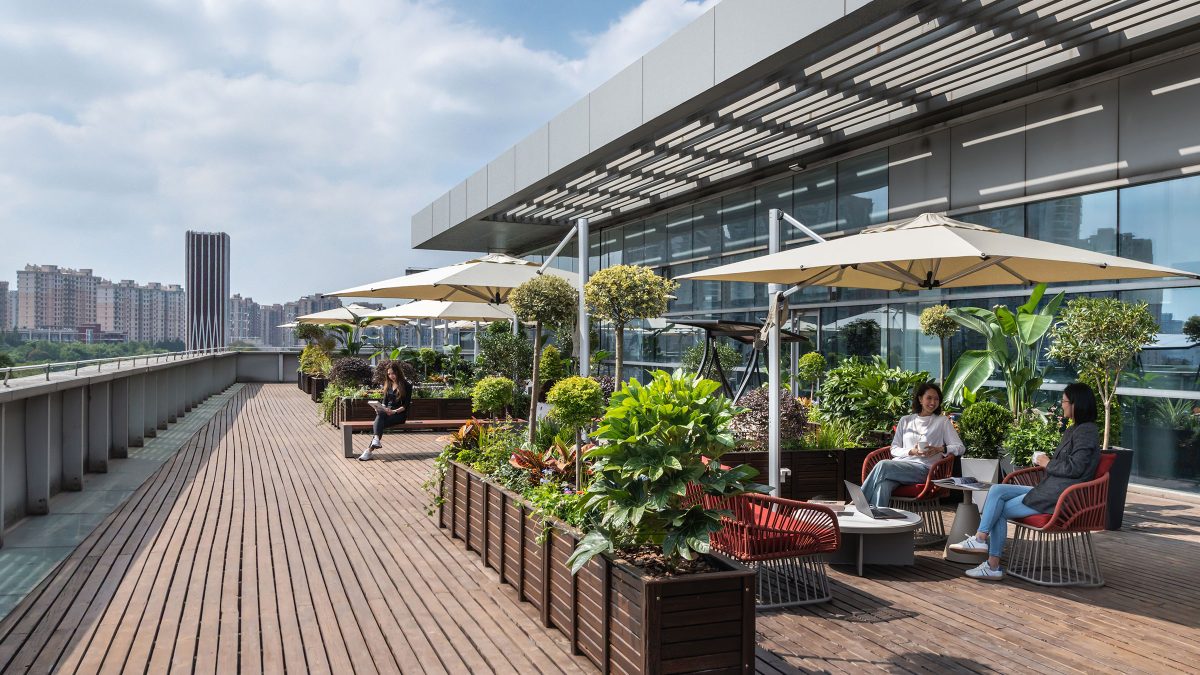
[{"x": 259, "y": 548}]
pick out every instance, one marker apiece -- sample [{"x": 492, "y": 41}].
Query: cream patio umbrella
[
  {"x": 351, "y": 314},
  {"x": 486, "y": 279},
  {"x": 925, "y": 252},
  {"x": 446, "y": 311}
]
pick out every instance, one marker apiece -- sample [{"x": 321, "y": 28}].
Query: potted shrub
[
  {"x": 1033, "y": 431},
  {"x": 982, "y": 427},
  {"x": 545, "y": 300},
  {"x": 1099, "y": 337},
  {"x": 492, "y": 396},
  {"x": 656, "y": 439},
  {"x": 622, "y": 293},
  {"x": 809, "y": 473},
  {"x": 574, "y": 403}
]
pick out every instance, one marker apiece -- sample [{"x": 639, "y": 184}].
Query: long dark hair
[
  {"x": 401, "y": 381},
  {"x": 920, "y": 391},
  {"x": 1083, "y": 400}
]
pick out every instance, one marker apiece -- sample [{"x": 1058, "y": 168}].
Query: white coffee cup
[
  {"x": 1037, "y": 455},
  {"x": 921, "y": 446}
]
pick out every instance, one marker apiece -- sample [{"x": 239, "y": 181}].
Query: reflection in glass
[
  {"x": 1165, "y": 436},
  {"x": 862, "y": 188},
  {"x": 738, "y": 226},
  {"x": 1174, "y": 361},
  {"x": 706, "y": 229},
  {"x": 1158, "y": 223},
  {"x": 775, "y": 195},
  {"x": 1083, "y": 221},
  {"x": 1009, "y": 220},
  {"x": 679, "y": 235},
  {"x": 852, "y": 332},
  {"x": 654, "y": 251},
  {"x": 814, "y": 198}
]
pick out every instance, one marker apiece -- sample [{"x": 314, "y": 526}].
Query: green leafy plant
[
  {"x": 1191, "y": 328},
  {"x": 597, "y": 359},
  {"x": 1034, "y": 431},
  {"x": 574, "y": 403},
  {"x": 553, "y": 367},
  {"x": 937, "y": 322},
  {"x": 861, "y": 338},
  {"x": 809, "y": 369},
  {"x": 750, "y": 424},
  {"x": 491, "y": 395},
  {"x": 311, "y": 334},
  {"x": 1013, "y": 344},
  {"x": 351, "y": 371},
  {"x": 831, "y": 435},
  {"x": 655, "y": 440},
  {"x": 547, "y": 301},
  {"x": 622, "y": 293},
  {"x": 728, "y": 356},
  {"x": 867, "y": 396},
  {"x": 1099, "y": 337},
  {"x": 982, "y": 427},
  {"x": 314, "y": 361},
  {"x": 334, "y": 393},
  {"x": 503, "y": 354}
]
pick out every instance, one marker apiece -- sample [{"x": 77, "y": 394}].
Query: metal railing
[{"x": 131, "y": 361}]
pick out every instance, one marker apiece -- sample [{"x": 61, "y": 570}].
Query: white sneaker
[
  {"x": 985, "y": 572},
  {"x": 970, "y": 545},
  {"x": 366, "y": 456}
]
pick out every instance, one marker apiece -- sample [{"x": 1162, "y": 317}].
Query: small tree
[
  {"x": 492, "y": 395},
  {"x": 1191, "y": 328},
  {"x": 1099, "y": 337},
  {"x": 574, "y": 403},
  {"x": 937, "y": 322},
  {"x": 810, "y": 369},
  {"x": 546, "y": 300},
  {"x": 622, "y": 293}
]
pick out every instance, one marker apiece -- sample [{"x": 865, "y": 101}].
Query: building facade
[
  {"x": 52, "y": 297},
  {"x": 1074, "y": 127},
  {"x": 152, "y": 312},
  {"x": 5, "y": 322},
  {"x": 207, "y": 270}
]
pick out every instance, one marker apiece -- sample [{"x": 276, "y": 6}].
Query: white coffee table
[{"x": 875, "y": 542}]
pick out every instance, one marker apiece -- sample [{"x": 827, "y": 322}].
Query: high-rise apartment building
[
  {"x": 12, "y": 309},
  {"x": 207, "y": 286},
  {"x": 150, "y": 313},
  {"x": 245, "y": 320},
  {"x": 4, "y": 323},
  {"x": 51, "y": 297}
]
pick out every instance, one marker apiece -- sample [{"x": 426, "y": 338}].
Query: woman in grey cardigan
[{"x": 1074, "y": 461}]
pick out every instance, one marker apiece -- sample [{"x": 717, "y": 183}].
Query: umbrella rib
[
  {"x": 884, "y": 272},
  {"x": 828, "y": 271},
  {"x": 1013, "y": 272},
  {"x": 982, "y": 264},
  {"x": 472, "y": 292}
]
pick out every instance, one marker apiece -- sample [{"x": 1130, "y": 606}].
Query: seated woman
[
  {"x": 397, "y": 395},
  {"x": 1074, "y": 461},
  {"x": 921, "y": 439}
]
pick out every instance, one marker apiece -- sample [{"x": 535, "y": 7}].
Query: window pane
[
  {"x": 707, "y": 294},
  {"x": 679, "y": 234},
  {"x": 633, "y": 248},
  {"x": 741, "y": 293},
  {"x": 1082, "y": 221},
  {"x": 738, "y": 224},
  {"x": 1165, "y": 436},
  {"x": 1174, "y": 361},
  {"x": 593, "y": 251},
  {"x": 1158, "y": 223},
  {"x": 862, "y": 190},
  {"x": 706, "y": 229},
  {"x": 776, "y": 195},
  {"x": 1010, "y": 220},
  {"x": 852, "y": 332},
  {"x": 683, "y": 301},
  {"x": 655, "y": 249},
  {"x": 610, "y": 246},
  {"x": 814, "y": 199}
]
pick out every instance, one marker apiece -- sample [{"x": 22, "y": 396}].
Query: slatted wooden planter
[
  {"x": 317, "y": 387},
  {"x": 621, "y": 621},
  {"x": 816, "y": 474},
  {"x": 440, "y": 409}
]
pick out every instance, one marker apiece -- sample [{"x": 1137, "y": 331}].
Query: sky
[{"x": 309, "y": 130}]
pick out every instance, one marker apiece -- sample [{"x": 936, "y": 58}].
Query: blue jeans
[
  {"x": 890, "y": 474},
  {"x": 1004, "y": 503}
]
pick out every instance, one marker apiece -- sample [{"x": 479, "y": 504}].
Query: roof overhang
[{"x": 754, "y": 86}]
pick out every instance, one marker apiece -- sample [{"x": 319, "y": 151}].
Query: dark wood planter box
[
  {"x": 352, "y": 410},
  {"x": 318, "y": 388},
  {"x": 300, "y": 380},
  {"x": 852, "y": 463},
  {"x": 816, "y": 474},
  {"x": 440, "y": 409},
  {"x": 621, "y": 621}
]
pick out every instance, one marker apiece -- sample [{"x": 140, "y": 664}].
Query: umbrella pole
[
  {"x": 585, "y": 335},
  {"x": 773, "y": 291}
]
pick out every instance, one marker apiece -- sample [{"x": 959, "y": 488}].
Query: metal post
[
  {"x": 793, "y": 364},
  {"x": 773, "y": 291},
  {"x": 585, "y": 347}
]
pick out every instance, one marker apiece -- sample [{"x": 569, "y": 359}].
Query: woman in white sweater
[{"x": 922, "y": 439}]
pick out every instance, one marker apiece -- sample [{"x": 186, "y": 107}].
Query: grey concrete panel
[
  {"x": 615, "y": 107},
  {"x": 421, "y": 225},
  {"x": 99, "y": 436},
  {"x": 37, "y": 455},
  {"x": 1157, "y": 126},
  {"x": 150, "y": 405},
  {"x": 743, "y": 38},
  {"x": 477, "y": 193},
  {"x": 291, "y": 363},
  {"x": 55, "y": 438},
  {"x": 441, "y": 213},
  {"x": 172, "y": 393},
  {"x": 532, "y": 156},
  {"x": 118, "y": 409},
  {"x": 1072, "y": 139},
  {"x": 162, "y": 398},
  {"x": 3, "y": 470},
  {"x": 501, "y": 176},
  {"x": 13, "y": 444},
  {"x": 987, "y": 157},
  {"x": 569, "y": 134},
  {"x": 257, "y": 367},
  {"x": 919, "y": 175},
  {"x": 458, "y": 202},
  {"x": 137, "y": 410},
  {"x": 680, "y": 68},
  {"x": 179, "y": 391},
  {"x": 74, "y": 437}
]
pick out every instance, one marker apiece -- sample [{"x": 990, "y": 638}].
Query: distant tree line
[{"x": 13, "y": 352}]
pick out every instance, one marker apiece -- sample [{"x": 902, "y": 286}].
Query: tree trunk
[
  {"x": 620, "y": 352},
  {"x": 941, "y": 362},
  {"x": 1107, "y": 413},
  {"x": 533, "y": 391}
]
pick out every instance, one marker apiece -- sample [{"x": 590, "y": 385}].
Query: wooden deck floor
[{"x": 259, "y": 548}]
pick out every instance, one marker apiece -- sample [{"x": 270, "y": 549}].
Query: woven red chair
[
  {"x": 921, "y": 499},
  {"x": 784, "y": 540},
  {"x": 1055, "y": 549}
]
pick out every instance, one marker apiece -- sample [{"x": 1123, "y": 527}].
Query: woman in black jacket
[
  {"x": 397, "y": 395},
  {"x": 1074, "y": 461}
]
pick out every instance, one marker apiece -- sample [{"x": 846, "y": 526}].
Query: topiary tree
[
  {"x": 1099, "y": 337},
  {"x": 728, "y": 355},
  {"x": 622, "y": 293},
  {"x": 810, "y": 369},
  {"x": 491, "y": 395},
  {"x": 574, "y": 403},
  {"x": 552, "y": 367},
  {"x": 862, "y": 338},
  {"x": 546, "y": 300},
  {"x": 937, "y": 322},
  {"x": 428, "y": 358},
  {"x": 982, "y": 427}
]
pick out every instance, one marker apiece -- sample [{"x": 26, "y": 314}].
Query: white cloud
[{"x": 310, "y": 130}]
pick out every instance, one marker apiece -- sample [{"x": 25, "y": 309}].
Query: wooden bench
[{"x": 348, "y": 429}]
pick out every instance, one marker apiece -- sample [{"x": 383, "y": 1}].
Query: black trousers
[{"x": 383, "y": 421}]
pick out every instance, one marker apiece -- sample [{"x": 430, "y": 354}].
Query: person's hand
[
  {"x": 1042, "y": 460},
  {"x": 937, "y": 449}
]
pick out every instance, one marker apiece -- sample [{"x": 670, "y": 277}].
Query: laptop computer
[{"x": 864, "y": 507}]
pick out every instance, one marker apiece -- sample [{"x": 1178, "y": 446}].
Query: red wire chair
[
  {"x": 784, "y": 540},
  {"x": 1055, "y": 549},
  {"x": 921, "y": 499}
]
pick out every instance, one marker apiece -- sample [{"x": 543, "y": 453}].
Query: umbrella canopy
[
  {"x": 351, "y": 314},
  {"x": 933, "y": 251},
  {"x": 290, "y": 324},
  {"x": 446, "y": 311},
  {"x": 487, "y": 279}
]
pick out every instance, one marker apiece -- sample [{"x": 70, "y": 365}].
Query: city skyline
[{"x": 310, "y": 137}]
